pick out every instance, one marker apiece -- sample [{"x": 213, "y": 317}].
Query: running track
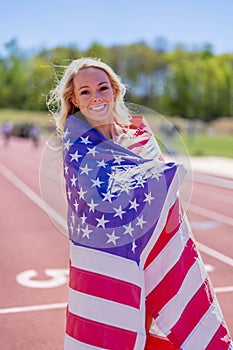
[{"x": 34, "y": 254}]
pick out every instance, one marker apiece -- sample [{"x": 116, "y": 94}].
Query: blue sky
[{"x": 48, "y": 23}]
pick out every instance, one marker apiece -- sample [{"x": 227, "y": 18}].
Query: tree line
[{"x": 189, "y": 84}]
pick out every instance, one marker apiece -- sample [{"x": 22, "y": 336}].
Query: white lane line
[
  {"x": 13, "y": 310},
  {"x": 43, "y": 307},
  {"x": 213, "y": 181},
  {"x": 223, "y": 289},
  {"x": 214, "y": 253},
  {"x": 210, "y": 214},
  {"x": 37, "y": 200},
  {"x": 7, "y": 173}
]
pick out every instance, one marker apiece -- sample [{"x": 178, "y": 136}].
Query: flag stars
[
  {"x": 112, "y": 238},
  {"x": 67, "y": 145},
  {"x": 108, "y": 196},
  {"x": 65, "y": 133},
  {"x": 75, "y": 156},
  {"x": 66, "y": 169},
  {"x": 148, "y": 198},
  {"x": 92, "y": 151},
  {"x": 125, "y": 187},
  {"x": 86, "y": 232},
  {"x": 81, "y": 193},
  {"x": 97, "y": 182},
  {"x": 78, "y": 230},
  {"x": 85, "y": 140},
  {"x": 140, "y": 181},
  {"x": 134, "y": 246},
  {"x": 72, "y": 216},
  {"x": 119, "y": 212},
  {"x": 156, "y": 175},
  {"x": 69, "y": 193},
  {"x": 128, "y": 229},
  {"x": 92, "y": 206},
  {"x": 83, "y": 219},
  {"x": 76, "y": 205},
  {"x": 101, "y": 222},
  {"x": 101, "y": 163},
  {"x": 140, "y": 222},
  {"x": 134, "y": 204},
  {"x": 73, "y": 181},
  {"x": 85, "y": 170},
  {"x": 118, "y": 159}
]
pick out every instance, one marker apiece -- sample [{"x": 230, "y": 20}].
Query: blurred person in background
[
  {"x": 7, "y": 129},
  {"x": 34, "y": 134}
]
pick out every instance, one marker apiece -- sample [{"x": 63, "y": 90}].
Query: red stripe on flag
[
  {"x": 221, "y": 339},
  {"x": 171, "y": 283},
  {"x": 154, "y": 342},
  {"x": 192, "y": 314},
  {"x": 138, "y": 144},
  {"x": 173, "y": 223},
  {"x": 98, "y": 334},
  {"x": 105, "y": 287}
]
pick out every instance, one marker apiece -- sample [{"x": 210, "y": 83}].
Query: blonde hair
[{"x": 59, "y": 100}]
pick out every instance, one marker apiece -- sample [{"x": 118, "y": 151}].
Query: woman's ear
[
  {"x": 114, "y": 94},
  {"x": 73, "y": 100}
]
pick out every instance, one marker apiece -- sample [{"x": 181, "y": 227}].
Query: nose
[{"x": 97, "y": 97}]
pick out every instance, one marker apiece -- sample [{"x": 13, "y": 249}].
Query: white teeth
[{"x": 97, "y": 108}]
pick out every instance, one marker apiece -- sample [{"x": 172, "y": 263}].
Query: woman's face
[{"x": 94, "y": 95}]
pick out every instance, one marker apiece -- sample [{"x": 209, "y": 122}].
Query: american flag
[{"x": 131, "y": 248}]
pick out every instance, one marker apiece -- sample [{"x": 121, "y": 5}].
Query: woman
[{"x": 132, "y": 256}]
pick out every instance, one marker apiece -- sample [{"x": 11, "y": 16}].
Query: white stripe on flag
[
  {"x": 106, "y": 264},
  {"x": 73, "y": 344},
  {"x": 172, "y": 311},
  {"x": 170, "y": 254},
  {"x": 171, "y": 197},
  {"x": 200, "y": 337},
  {"x": 109, "y": 312}
]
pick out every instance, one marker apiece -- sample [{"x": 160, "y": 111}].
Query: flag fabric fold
[{"x": 131, "y": 247}]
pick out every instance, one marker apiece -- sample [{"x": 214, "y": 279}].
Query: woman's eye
[
  {"x": 104, "y": 88},
  {"x": 84, "y": 92}
]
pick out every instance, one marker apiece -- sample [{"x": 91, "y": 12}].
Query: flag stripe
[
  {"x": 108, "y": 312},
  {"x": 74, "y": 344},
  {"x": 171, "y": 253},
  {"x": 107, "y": 264},
  {"x": 172, "y": 226},
  {"x": 200, "y": 337},
  {"x": 138, "y": 144},
  {"x": 192, "y": 314},
  {"x": 98, "y": 334},
  {"x": 105, "y": 287},
  {"x": 172, "y": 311},
  {"x": 168, "y": 203},
  {"x": 221, "y": 340},
  {"x": 162, "y": 294}
]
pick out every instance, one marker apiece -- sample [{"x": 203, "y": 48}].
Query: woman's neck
[{"x": 110, "y": 131}]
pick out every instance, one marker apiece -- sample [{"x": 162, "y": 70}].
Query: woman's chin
[{"x": 99, "y": 120}]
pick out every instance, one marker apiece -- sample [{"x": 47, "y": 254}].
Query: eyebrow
[{"x": 86, "y": 86}]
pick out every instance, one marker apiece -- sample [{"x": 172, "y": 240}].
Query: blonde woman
[{"x": 131, "y": 252}]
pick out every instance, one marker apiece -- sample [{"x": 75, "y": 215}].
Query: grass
[
  {"x": 43, "y": 119},
  {"x": 210, "y": 145},
  {"x": 198, "y": 145}
]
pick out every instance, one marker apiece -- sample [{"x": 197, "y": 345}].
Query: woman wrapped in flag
[{"x": 137, "y": 280}]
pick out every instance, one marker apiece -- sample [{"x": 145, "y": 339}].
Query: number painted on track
[{"x": 58, "y": 277}]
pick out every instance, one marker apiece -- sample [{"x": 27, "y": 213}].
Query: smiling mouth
[{"x": 98, "y": 107}]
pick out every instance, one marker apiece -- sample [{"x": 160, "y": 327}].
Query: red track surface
[{"x": 30, "y": 241}]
